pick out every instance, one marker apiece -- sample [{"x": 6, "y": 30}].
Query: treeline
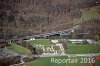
[
  {"x": 91, "y": 26},
  {"x": 10, "y": 61},
  {"x": 38, "y": 16}
]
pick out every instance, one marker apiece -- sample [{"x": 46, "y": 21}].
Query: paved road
[
  {"x": 63, "y": 31},
  {"x": 70, "y": 55}
]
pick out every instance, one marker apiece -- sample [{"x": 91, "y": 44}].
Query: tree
[{"x": 97, "y": 37}]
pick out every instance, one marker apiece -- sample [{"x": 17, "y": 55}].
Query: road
[{"x": 70, "y": 55}]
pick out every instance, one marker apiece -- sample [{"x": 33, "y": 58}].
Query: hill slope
[{"x": 39, "y": 16}]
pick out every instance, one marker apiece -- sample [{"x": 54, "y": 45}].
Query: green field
[
  {"x": 91, "y": 13},
  {"x": 19, "y": 49},
  {"x": 98, "y": 63},
  {"x": 73, "y": 48},
  {"x": 98, "y": 43},
  {"x": 46, "y": 61},
  {"x": 39, "y": 41}
]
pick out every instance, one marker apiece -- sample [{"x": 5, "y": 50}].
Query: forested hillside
[{"x": 39, "y": 16}]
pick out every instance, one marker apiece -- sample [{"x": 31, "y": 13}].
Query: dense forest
[{"x": 20, "y": 17}]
